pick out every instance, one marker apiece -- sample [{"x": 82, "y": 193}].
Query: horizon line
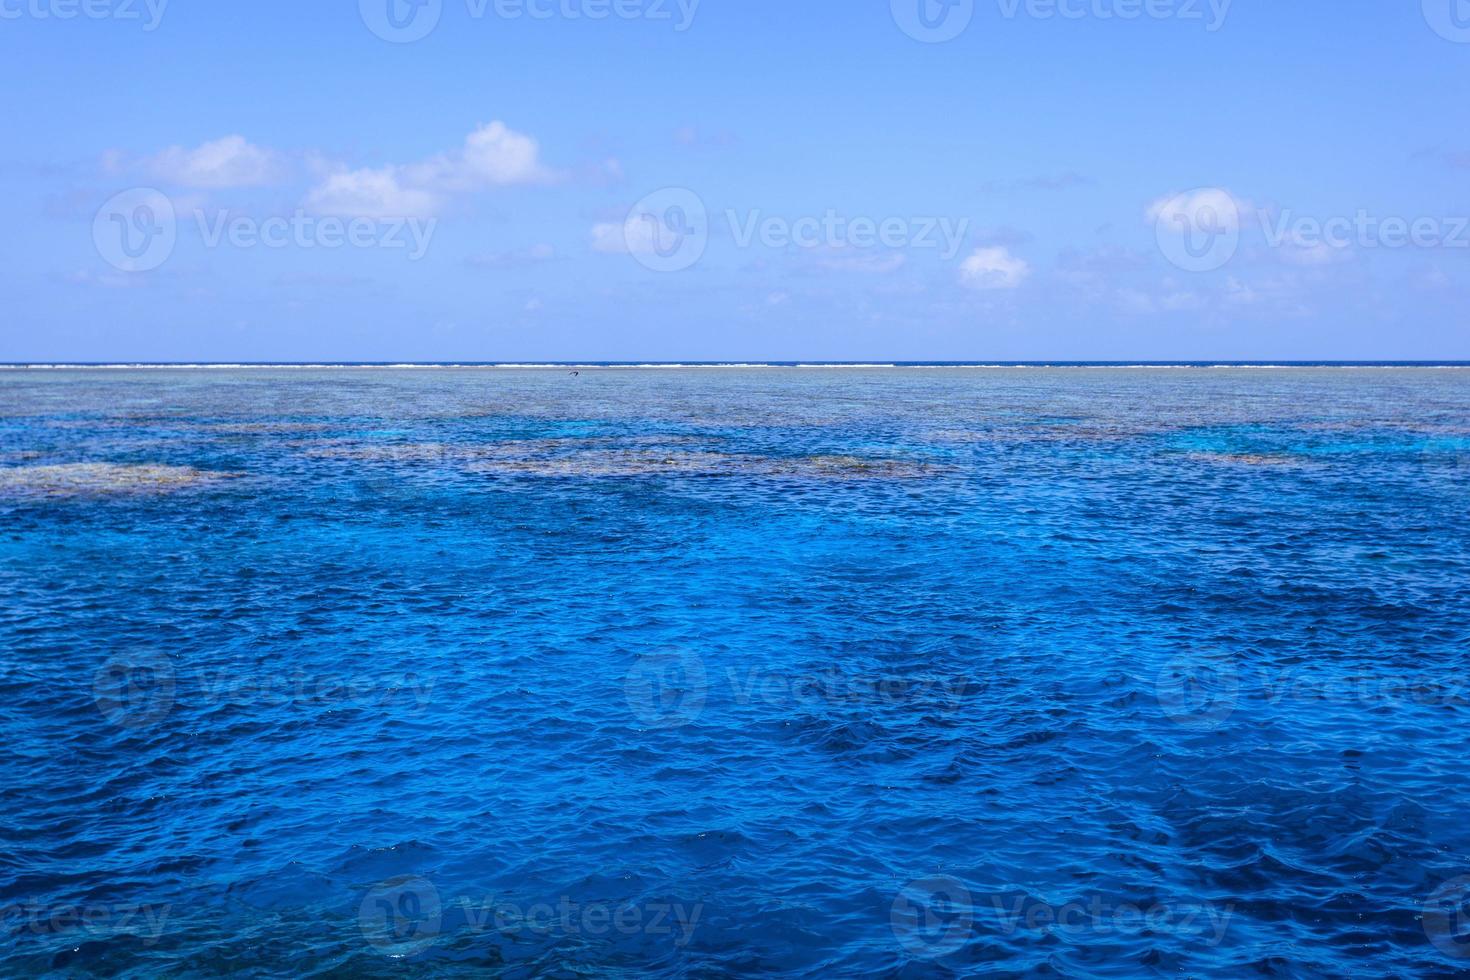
[{"x": 732, "y": 364}]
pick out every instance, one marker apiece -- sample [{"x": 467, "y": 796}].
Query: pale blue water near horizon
[{"x": 722, "y": 672}]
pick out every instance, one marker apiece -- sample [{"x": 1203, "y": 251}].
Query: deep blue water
[{"x": 698, "y": 673}]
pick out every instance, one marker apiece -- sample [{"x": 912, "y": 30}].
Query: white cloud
[
  {"x": 541, "y": 252},
  {"x": 1273, "y": 296},
  {"x": 1209, "y": 207},
  {"x": 852, "y": 260},
  {"x": 1432, "y": 277},
  {"x": 492, "y": 156},
  {"x": 84, "y": 277},
  {"x": 607, "y": 173},
  {"x": 1168, "y": 300},
  {"x": 1136, "y": 300},
  {"x": 695, "y": 138},
  {"x": 993, "y": 268},
  {"x": 634, "y": 237},
  {"x": 1241, "y": 293},
  {"x": 497, "y": 155},
  {"x": 113, "y": 162},
  {"x": 371, "y": 194},
  {"x": 222, "y": 163},
  {"x": 1299, "y": 251}
]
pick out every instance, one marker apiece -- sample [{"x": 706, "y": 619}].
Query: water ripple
[{"x": 699, "y": 674}]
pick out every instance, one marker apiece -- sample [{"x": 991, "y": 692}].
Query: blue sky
[{"x": 489, "y": 173}]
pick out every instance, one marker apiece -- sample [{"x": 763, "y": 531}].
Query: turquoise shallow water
[{"x": 722, "y": 672}]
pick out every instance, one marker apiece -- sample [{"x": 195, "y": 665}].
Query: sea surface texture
[{"x": 724, "y": 672}]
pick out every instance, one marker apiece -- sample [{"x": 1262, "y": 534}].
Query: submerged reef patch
[
  {"x": 1248, "y": 459},
  {"x": 611, "y": 458},
  {"x": 80, "y": 479}
]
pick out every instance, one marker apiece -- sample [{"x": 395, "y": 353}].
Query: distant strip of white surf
[{"x": 742, "y": 366}]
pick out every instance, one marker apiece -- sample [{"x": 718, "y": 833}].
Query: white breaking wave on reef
[{"x": 747, "y": 365}]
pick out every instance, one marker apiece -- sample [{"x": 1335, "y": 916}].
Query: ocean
[{"x": 690, "y": 671}]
